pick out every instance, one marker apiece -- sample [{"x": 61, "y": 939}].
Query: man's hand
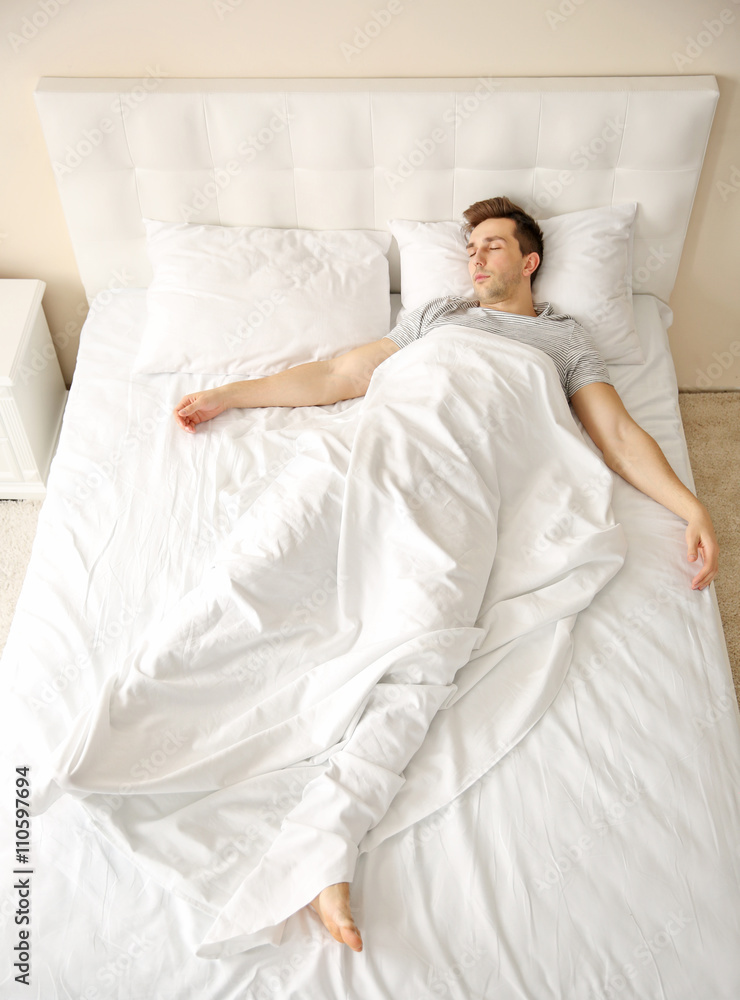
[
  {"x": 197, "y": 407},
  {"x": 630, "y": 452},
  {"x": 700, "y": 538}
]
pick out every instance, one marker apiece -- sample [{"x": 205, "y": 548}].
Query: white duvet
[{"x": 387, "y": 617}]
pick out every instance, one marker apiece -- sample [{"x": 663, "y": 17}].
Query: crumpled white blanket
[{"x": 382, "y": 624}]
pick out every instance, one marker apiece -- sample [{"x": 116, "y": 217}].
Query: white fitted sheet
[{"x": 598, "y": 858}]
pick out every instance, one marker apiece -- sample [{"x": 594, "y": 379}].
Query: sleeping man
[{"x": 505, "y": 250}]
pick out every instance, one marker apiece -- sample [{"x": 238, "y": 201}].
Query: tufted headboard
[{"x": 351, "y": 154}]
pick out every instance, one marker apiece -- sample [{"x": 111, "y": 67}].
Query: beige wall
[{"x": 314, "y": 38}]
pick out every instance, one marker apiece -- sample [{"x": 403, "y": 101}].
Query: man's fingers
[
  {"x": 182, "y": 416},
  {"x": 702, "y": 578},
  {"x": 710, "y": 557}
]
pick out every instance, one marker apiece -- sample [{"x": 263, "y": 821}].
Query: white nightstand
[{"x": 32, "y": 390}]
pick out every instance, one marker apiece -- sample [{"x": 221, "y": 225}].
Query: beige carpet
[
  {"x": 712, "y": 425},
  {"x": 17, "y": 529}
]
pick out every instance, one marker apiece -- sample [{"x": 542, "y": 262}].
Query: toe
[{"x": 349, "y": 934}]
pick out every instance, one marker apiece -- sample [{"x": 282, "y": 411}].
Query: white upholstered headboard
[{"x": 351, "y": 154}]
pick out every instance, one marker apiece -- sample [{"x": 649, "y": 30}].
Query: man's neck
[{"x": 522, "y": 305}]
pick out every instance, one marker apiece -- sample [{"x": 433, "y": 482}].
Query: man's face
[{"x": 496, "y": 264}]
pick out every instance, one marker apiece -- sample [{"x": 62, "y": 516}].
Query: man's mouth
[{"x": 480, "y": 276}]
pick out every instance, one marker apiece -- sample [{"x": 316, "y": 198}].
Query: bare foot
[{"x": 332, "y": 905}]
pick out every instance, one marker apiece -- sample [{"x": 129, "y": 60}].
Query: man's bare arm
[
  {"x": 316, "y": 383},
  {"x": 636, "y": 456}
]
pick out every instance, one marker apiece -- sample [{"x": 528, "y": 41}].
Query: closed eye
[{"x": 471, "y": 255}]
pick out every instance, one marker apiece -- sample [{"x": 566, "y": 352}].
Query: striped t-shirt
[{"x": 575, "y": 355}]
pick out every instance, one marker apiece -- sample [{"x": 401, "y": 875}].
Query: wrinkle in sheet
[{"x": 417, "y": 606}]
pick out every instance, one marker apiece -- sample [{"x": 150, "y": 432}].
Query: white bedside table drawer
[
  {"x": 9, "y": 471},
  {"x": 32, "y": 390}
]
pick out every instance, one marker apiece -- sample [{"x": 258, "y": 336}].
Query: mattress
[{"x": 598, "y": 858}]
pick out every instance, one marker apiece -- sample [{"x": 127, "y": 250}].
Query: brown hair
[{"x": 527, "y": 232}]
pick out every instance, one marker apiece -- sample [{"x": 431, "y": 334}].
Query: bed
[{"x": 592, "y": 850}]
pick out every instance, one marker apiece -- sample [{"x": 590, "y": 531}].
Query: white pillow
[
  {"x": 231, "y": 300},
  {"x": 586, "y": 271}
]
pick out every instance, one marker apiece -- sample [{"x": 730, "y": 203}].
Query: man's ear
[{"x": 533, "y": 260}]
